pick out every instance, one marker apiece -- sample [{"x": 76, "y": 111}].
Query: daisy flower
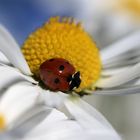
[
  {"x": 60, "y": 63},
  {"x": 110, "y": 21}
]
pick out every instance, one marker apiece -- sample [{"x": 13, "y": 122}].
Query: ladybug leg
[{"x": 75, "y": 82}]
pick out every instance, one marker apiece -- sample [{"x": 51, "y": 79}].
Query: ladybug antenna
[{"x": 75, "y": 82}]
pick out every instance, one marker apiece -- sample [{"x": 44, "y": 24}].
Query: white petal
[
  {"x": 10, "y": 76},
  {"x": 17, "y": 100},
  {"x": 62, "y": 130},
  {"x": 75, "y": 135},
  {"x": 35, "y": 125},
  {"x": 113, "y": 71},
  {"x": 119, "y": 91},
  {"x": 128, "y": 43},
  {"x": 11, "y": 50},
  {"x": 120, "y": 78},
  {"x": 52, "y": 128},
  {"x": 3, "y": 59},
  {"x": 6, "y": 137},
  {"x": 86, "y": 115},
  {"x": 136, "y": 82},
  {"x": 53, "y": 99},
  {"x": 122, "y": 63},
  {"x": 42, "y": 122},
  {"x": 125, "y": 57}
]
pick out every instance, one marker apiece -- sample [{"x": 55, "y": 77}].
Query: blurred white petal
[
  {"x": 125, "y": 59},
  {"x": 12, "y": 51},
  {"x": 42, "y": 117},
  {"x": 3, "y": 59},
  {"x": 89, "y": 117},
  {"x": 122, "y": 77},
  {"x": 53, "y": 99},
  {"x": 85, "y": 114},
  {"x": 113, "y": 71},
  {"x": 17, "y": 100},
  {"x": 11, "y": 75},
  {"x": 128, "y": 43},
  {"x": 6, "y": 137},
  {"x": 123, "y": 63},
  {"x": 56, "y": 126},
  {"x": 119, "y": 91}
]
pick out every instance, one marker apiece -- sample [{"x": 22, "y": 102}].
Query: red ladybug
[{"x": 59, "y": 75}]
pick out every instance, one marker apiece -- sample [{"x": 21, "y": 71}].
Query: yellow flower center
[{"x": 62, "y": 38}]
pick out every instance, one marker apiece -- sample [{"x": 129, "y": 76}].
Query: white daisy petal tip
[{"x": 11, "y": 50}]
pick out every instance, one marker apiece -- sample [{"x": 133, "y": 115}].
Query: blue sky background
[{"x": 21, "y": 17}]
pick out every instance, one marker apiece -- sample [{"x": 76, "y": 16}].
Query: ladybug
[{"x": 59, "y": 75}]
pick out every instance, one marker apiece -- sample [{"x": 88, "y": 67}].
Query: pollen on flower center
[{"x": 62, "y": 38}]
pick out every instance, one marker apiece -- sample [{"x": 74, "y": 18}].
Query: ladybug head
[{"x": 75, "y": 81}]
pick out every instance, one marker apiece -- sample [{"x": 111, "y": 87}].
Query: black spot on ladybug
[
  {"x": 51, "y": 59},
  {"x": 67, "y": 62},
  {"x": 56, "y": 80},
  {"x": 61, "y": 67}
]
